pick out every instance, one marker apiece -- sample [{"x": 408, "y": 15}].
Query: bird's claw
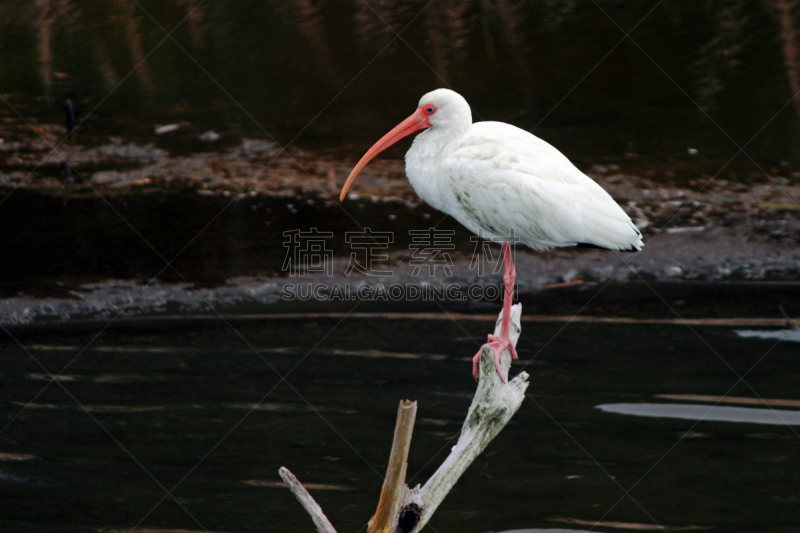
[{"x": 497, "y": 344}]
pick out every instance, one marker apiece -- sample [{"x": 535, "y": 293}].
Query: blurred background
[
  {"x": 703, "y": 75},
  {"x": 156, "y": 158}
]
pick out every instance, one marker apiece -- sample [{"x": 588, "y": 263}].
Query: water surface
[
  {"x": 199, "y": 407},
  {"x": 692, "y": 83},
  {"x": 778, "y": 417}
]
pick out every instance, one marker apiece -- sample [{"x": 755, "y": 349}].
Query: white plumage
[
  {"x": 504, "y": 184},
  {"x": 494, "y": 177}
]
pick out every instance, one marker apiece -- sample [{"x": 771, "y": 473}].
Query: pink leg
[
  {"x": 498, "y": 344},
  {"x": 509, "y": 277}
]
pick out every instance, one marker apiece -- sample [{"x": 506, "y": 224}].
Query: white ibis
[{"x": 504, "y": 184}]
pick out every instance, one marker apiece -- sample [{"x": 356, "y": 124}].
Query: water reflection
[
  {"x": 714, "y": 413},
  {"x": 159, "y": 530},
  {"x": 16, "y": 456},
  {"x": 545, "y": 531},
  {"x": 771, "y": 402},
  {"x": 514, "y": 61},
  {"x": 636, "y": 526},
  {"x": 792, "y": 335},
  {"x": 310, "y": 486}
]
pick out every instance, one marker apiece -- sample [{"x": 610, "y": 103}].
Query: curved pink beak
[{"x": 417, "y": 121}]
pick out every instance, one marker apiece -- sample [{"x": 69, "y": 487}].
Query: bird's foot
[{"x": 497, "y": 344}]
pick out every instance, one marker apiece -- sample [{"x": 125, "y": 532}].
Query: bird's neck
[{"x": 424, "y": 159}]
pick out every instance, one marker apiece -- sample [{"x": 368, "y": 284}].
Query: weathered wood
[
  {"x": 492, "y": 407},
  {"x": 305, "y": 499},
  {"x": 394, "y": 490},
  {"x": 404, "y": 510}
]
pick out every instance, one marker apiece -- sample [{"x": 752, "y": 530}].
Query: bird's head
[
  {"x": 439, "y": 109},
  {"x": 445, "y": 109}
]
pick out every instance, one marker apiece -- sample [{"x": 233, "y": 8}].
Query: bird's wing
[{"x": 502, "y": 177}]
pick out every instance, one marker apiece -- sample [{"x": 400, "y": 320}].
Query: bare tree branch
[
  {"x": 305, "y": 499},
  {"x": 404, "y": 510}
]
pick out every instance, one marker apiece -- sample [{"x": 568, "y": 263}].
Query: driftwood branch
[
  {"x": 404, "y": 510},
  {"x": 492, "y": 407},
  {"x": 310, "y": 504},
  {"x": 394, "y": 491}
]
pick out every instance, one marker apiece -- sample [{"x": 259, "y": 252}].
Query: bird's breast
[{"x": 424, "y": 170}]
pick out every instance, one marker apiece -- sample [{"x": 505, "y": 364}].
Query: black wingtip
[
  {"x": 596, "y": 247},
  {"x": 590, "y": 245}
]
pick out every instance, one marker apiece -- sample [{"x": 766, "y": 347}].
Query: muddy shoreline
[{"x": 142, "y": 231}]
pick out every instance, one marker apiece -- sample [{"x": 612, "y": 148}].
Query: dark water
[
  {"x": 170, "y": 407},
  {"x": 59, "y": 246},
  {"x": 334, "y": 75}
]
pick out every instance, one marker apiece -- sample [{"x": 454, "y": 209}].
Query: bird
[{"x": 504, "y": 184}]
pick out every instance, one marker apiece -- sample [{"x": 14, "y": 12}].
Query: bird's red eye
[{"x": 430, "y": 110}]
